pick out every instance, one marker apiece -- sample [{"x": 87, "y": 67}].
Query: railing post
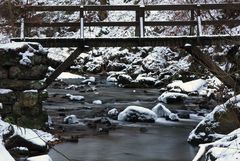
[
  {"x": 192, "y": 19},
  {"x": 81, "y": 22},
  {"x": 140, "y": 18},
  {"x": 22, "y": 29},
  {"x": 199, "y": 22}
]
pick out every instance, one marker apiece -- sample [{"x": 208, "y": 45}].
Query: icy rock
[
  {"x": 71, "y": 119},
  {"x": 191, "y": 86},
  {"x": 137, "y": 114},
  {"x": 97, "y": 102},
  {"x": 114, "y": 66},
  {"x": 75, "y": 98},
  {"x": 113, "y": 113},
  {"x": 172, "y": 97},
  {"x": 146, "y": 80},
  {"x": 90, "y": 80},
  {"x": 124, "y": 79},
  {"x": 163, "y": 111},
  {"x": 222, "y": 120}
]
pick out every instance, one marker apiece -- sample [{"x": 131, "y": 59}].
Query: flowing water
[
  {"x": 159, "y": 143},
  {"x": 166, "y": 141}
]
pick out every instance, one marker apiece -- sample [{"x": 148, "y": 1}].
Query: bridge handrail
[
  {"x": 234, "y": 6},
  {"x": 139, "y": 23}
]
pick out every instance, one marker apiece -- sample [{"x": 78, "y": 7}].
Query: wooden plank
[
  {"x": 76, "y": 24},
  {"x": 134, "y": 23},
  {"x": 207, "y": 62},
  {"x": 221, "y": 22},
  {"x": 170, "y": 23},
  {"x": 62, "y": 67},
  {"x": 232, "y": 6},
  {"x": 136, "y": 41}
]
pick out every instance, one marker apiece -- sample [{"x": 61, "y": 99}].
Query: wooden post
[
  {"x": 137, "y": 19},
  {"x": 199, "y": 22},
  {"x": 81, "y": 22},
  {"x": 207, "y": 62},
  {"x": 22, "y": 29},
  {"x": 192, "y": 26},
  {"x": 141, "y": 20},
  {"x": 67, "y": 63}
]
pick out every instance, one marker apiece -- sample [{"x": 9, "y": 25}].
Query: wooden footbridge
[{"x": 195, "y": 35}]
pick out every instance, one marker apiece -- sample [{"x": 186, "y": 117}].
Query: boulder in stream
[
  {"x": 222, "y": 120},
  {"x": 137, "y": 114}
]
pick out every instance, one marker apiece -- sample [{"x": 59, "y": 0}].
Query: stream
[{"x": 162, "y": 141}]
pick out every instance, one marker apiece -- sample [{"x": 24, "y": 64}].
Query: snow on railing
[{"x": 139, "y": 23}]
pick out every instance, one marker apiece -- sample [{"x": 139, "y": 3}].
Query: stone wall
[{"x": 23, "y": 67}]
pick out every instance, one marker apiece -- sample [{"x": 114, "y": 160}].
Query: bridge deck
[{"x": 136, "y": 41}]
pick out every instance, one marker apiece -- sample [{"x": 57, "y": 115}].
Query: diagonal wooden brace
[
  {"x": 207, "y": 62},
  {"x": 67, "y": 63}
]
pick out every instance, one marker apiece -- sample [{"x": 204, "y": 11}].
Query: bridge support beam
[
  {"x": 207, "y": 62},
  {"x": 67, "y": 63}
]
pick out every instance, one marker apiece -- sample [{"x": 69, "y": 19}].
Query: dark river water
[
  {"x": 165, "y": 141},
  {"x": 159, "y": 143}
]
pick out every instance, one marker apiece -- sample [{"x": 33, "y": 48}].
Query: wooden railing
[{"x": 139, "y": 23}]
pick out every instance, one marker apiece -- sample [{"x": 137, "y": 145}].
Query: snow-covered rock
[
  {"x": 71, "y": 119},
  {"x": 124, "y": 79},
  {"x": 191, "y": 86},
  {"x": 90, "y": 80},
  {"x": 97, "y": 102},
  {"x": 146, "y": 80},
  {"x": 224, "y": 149},
  {"x": 172, "y": 97},
  {"x": 222, "y": 120},
  {"x": 163, "y": 111},
  {"x": 5, "y": 91},
  {"x": 137, "y": 114},
  {"x": 39, "y": 158},
  {"x": 113, "y": 113},
  {"x": 5, "y": 155},
  {"x": 75, "y": 97},
  {"x": 67, "y": 75}
]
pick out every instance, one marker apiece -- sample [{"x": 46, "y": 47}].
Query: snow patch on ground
[{"x": 5, "y": 91}]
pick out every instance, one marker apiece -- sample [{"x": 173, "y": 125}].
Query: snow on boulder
[
  {"x": 113, "y": 113},
  {"x": 191, "y": 86},
  {"x": 224, "y": 149},
  {"x": 137, "y": 114},
  {"x": 71, "y": 119},
  {"x": 124, "y": 79},
  {"x": 146, "y": 80},
  {"x": 75, "y": 98},
  {"x": 40, "y": 158},
  {"x": 97, "y": 102},
  {"x": 67, "y": 75},
  {"x": 163, "y": 111},
  {"x": 14, "y": 136},
  {"x": 90, "y": 80},
  {"x": 222, "y": 120},
  {"x": 5, "y": 155},
  {"x": 172, "y": 97}
]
